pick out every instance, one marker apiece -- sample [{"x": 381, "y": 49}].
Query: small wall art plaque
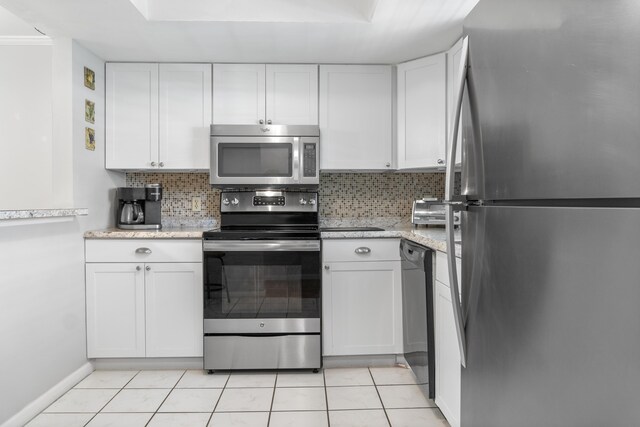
[
  {"x": 90, "y": 139},
  {"x": 89, "y": 111},
  {"x": 89, "y": 78}
]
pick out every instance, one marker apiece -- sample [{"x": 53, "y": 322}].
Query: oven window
[
  {"x": 245, "y": 285},
  {"x": 255, "y": 159}
]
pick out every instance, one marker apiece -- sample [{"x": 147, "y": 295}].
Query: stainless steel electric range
[{"x": 262, "y": 283}]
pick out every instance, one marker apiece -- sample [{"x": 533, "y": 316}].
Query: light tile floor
[{"x": 346, "y": 397}]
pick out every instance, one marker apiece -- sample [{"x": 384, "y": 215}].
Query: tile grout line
[
  {"x": 165, "y": 398},
  {"x": 114, "y": 396},
  {"x": 379, "y": 397},
  {"x": 224, "y": 387},
  {"x": 326, "y": 397},
  {"x": 273, "y": 397}
]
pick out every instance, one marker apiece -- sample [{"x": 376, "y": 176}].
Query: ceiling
[{"x": 287, "y": 31}]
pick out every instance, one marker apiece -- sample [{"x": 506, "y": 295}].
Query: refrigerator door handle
[
  {"x": 450, "y": 177},
  {"x": 453, "y": 286},
  {"x": 453, "y": 136}
]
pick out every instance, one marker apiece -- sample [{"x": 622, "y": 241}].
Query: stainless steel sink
[{"x": 349, "y": 229}]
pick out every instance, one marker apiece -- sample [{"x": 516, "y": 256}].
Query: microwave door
[{"x": 254, "y": 160}]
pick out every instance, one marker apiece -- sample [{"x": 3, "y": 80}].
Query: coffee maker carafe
[{"x": 139, "y": 208}]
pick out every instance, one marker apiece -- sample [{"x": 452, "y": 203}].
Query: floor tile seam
[
  {"x": 380, "y": 397},
  {"x": 326, "y": 397},
  {"x": 166, "y": 397},
  {"x": 273, "y": 397}
]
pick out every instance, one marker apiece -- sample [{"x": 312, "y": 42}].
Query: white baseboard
[
  {"x": 148, "y": 363},
  {"x": 364, "y": 360},
  {"x": 48, "y": 397}
]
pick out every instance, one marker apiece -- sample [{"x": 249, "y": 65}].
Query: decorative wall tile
[{"x": 342, "y": 195}]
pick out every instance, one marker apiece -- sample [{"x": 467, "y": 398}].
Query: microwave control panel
[{"x": 309, "y": 156}]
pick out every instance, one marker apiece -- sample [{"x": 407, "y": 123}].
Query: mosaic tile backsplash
[{"x": 342, "y": 195}]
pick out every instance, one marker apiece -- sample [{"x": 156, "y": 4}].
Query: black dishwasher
[{"x": 417, "y": 313}]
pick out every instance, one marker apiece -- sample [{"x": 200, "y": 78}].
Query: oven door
[{"x": 262, "y": 287}]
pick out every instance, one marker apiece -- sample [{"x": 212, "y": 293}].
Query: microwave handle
[{"x": 296, "y": 159}]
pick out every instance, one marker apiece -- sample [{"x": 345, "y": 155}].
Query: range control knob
[
  {"x": 225, "y": 202},
  {"x": 303, "y": 201},
  {"x": 235, "y": 202},
  {"x": 312, "y": 201}
]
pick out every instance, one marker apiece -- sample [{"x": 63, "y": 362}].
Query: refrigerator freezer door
[
  {"x": 553, "y": 318},
  {"x": 557, "y": 96}
]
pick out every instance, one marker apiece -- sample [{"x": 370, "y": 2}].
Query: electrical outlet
[{"x": 196, "y": 204}]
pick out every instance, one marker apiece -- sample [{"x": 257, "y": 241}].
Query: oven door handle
[{"x": 261, "y": 246}]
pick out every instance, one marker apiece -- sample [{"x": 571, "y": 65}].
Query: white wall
[
  {"x": 42, "y": 306},
  {"x": 26, "y": 135}
]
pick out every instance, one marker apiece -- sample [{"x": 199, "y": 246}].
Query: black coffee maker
[{"x": 139, "y": 208}]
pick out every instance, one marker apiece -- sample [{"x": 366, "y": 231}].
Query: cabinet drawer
[
  {"x": 344, "y": 250},
  {"x": 132, "y": 250},
  {"x": 442, "y": 268}
]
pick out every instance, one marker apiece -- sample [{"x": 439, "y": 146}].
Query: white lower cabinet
[
  {"x": 448, "y": 368},
  {"x": 173, "y": 301},
  {"x": 362, "y": 298},
  {"x": 115, "y": 310},
  {"x": 143, "y": 309}
]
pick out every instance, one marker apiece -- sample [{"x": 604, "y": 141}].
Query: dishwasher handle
[{"x": 412, "y": 253}]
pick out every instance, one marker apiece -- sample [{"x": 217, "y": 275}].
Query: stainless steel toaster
[{"x": 431, "y": 211}]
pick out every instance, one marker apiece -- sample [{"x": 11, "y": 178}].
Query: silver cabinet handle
[
  {"x": 138, "y": 268},
  {"x": 148, "y": 268},
  {"x": 362, "y": 250},
  {"x": 261, "y": 121},
  {"x": 326, "y": 267},
  {"x": 388, "y": 165},
  {"x": 269, "y": 122},
  {"x": 161, "y": 164},
  {"x": 145, "y": 251},
  {"x": 153, "y": 164},
  {"x": 440, "y": 162}
]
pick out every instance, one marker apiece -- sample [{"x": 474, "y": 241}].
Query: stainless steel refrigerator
[{"x": 549, "y": 324}]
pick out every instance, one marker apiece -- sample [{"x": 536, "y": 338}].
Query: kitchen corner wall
[{"x": 342, "y": 195}]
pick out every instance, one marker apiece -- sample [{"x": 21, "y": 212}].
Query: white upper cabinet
[
  {"x": 422, "y": 103},
  {"x": 356, "y": 117},
  {"x": 453, "y": 74},
  {"x": 238, "y": 94},
  {"x": 131, "y": 116},
  {"x": 292, "y": 94},
  {"x": 185, "y": 116},
  {"x": 158, "y": 116},
  {"x": 273, "y": 94}
]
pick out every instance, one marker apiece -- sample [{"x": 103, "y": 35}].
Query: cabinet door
[
  {"x": 292, "y": 94},
  {"x": 422, "y": 109},
  {"x": 362, "y": 308},
  {"x": 115, "y": 310},
  {"x": 447, "y": 356},
  {"x": 185, "y": 116},
  {"x": 355, "y": 117},
  {"x": 453, "y": 73},
  {"x": 238, "y": 94},
  {"x": 131, "y": 116},
  {"x": 174, "y": 309}
]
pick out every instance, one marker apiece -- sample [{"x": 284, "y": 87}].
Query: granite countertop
[
  {"x": 164, "y": 233},
  {"x": 42, "y": 213},
  {"x": 434, "y": 238}
]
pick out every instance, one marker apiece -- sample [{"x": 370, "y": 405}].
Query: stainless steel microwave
[{"x": 273, "y": 156}]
